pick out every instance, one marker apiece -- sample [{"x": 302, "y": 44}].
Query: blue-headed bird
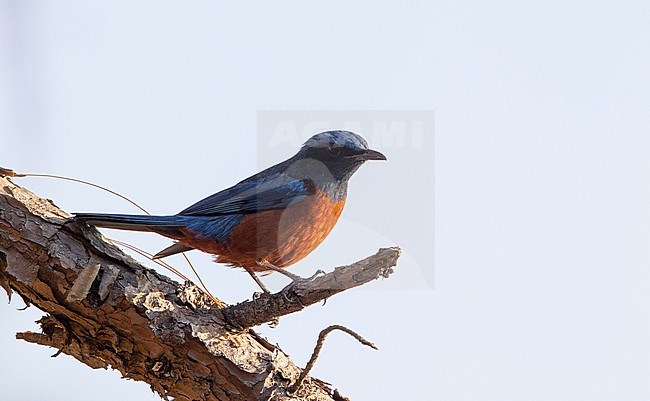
[{"x": 268, "y": 221}]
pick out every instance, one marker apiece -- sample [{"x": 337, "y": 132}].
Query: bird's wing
[{"x": 275, "y": 192}]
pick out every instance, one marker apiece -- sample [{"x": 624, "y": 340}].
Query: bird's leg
[
  {"x": 257, "y": 280},
  {"x": 263, "y": 263},
  {"x": 294, "y": 278}
]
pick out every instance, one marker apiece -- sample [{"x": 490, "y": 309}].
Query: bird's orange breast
[{"x": 281, "y": 237}]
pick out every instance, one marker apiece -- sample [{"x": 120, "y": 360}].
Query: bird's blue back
[{"x": 217, "y": 215}]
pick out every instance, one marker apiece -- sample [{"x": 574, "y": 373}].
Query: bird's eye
[{"x": 334, "y": 150}]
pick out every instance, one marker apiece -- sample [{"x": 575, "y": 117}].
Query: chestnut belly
[{"x": 280, "y": 237}]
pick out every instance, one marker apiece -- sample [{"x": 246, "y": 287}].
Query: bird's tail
[{"x": 165, "y": 225}]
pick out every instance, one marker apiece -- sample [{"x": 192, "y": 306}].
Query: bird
[{"x": 268, "y": 221}]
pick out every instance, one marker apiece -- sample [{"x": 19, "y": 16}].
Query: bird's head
[{"x": 341, "y": 152}]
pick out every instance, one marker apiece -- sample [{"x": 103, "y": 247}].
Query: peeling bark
[{"x": 107, "y": 310}]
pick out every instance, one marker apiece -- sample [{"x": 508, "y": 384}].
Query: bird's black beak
[{"x": 372, "y": 155}]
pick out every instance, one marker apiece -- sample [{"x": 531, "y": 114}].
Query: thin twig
[
  {"x": 319, "y": 345},
  {"x": 82, "y": 182},
  {"x": 204, "y": 287},
  {"x": 150, "y": 257}
]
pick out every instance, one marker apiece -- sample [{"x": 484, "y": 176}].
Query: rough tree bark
[{"x": 107, "y": 310}]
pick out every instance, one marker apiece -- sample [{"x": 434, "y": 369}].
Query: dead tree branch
[
  {"x": 301, "y": 294},
  {"x": 105, "y": 309}
]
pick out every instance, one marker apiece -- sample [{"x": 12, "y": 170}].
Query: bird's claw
[
  {"x": 309, "y": 279},
  {"x": 297, "y": 299},
  {"x": 319, "y": 272}
]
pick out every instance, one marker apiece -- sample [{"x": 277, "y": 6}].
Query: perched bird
[{"x": 268, "y": 221}]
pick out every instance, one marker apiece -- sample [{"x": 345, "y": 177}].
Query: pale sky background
[{"x": 539, "y": 286}]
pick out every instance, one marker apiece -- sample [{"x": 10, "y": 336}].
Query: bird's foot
[
  {"x": 294, "y": 277},
  {"x": 318, "y": 273}
]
